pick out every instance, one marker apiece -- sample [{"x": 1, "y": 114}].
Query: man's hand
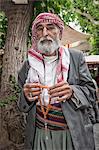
[
  {"x": 62, "y": 90},
  {"x": 32, "y": 91}
]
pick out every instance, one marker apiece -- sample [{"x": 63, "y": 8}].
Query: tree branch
[{"x": 88, "y": 16}]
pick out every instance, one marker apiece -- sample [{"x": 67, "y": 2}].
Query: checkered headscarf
[{"x": 43, "y": 17}]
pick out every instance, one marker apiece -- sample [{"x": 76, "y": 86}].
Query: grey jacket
[{"x": 78, "y": 111}]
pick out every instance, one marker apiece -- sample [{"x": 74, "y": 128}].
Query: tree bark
[
  {"x": 11, "y": 120},
  {"x": 19, "y": 17}
]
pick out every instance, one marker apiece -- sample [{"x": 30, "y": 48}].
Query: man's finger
[
  {"x": 57, "y": 85},
  {"x": 62, "y": 99},
  {"x": 35, "y": 89},
  {"x": 58, "y": 89},
  {"x": 36, "y": 93},
  {"x": 31, "y": 90},
  {"x": 31, "y": 99},
  {"x": 31, "y": 85},
  {"x": 62, "y": 93}
]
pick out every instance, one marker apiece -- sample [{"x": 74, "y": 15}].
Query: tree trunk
[
  {"x": 16, "y": 41},
  {"x": 12, "y": 122}
]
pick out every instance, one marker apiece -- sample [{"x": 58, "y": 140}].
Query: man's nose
[{"x": 45, "y": 31}]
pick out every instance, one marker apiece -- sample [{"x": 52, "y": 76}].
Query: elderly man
[{"x": 56, "y": 91}]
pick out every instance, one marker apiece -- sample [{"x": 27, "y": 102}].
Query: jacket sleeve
[
  {"x": 84, "y": 91},
  {"x": 23, "y": 104}
]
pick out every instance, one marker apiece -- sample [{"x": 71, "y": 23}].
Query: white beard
[{"x": 48, "y": 46}]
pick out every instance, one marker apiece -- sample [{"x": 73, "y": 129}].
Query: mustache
[{"x": 43, "y": 40}]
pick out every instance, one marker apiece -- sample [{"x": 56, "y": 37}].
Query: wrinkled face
[{"x": 48, "y": 38}]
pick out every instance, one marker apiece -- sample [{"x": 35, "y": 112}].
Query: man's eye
[
  {"x": 39, "y": 29},
  {"x": 50, "y": 27}
]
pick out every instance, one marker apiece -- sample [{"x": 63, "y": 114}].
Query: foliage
[
  {"x": 3, "y": 29},
  {"x": 85, "y": 13},
  {"x": 7, "y": 100},
  {"x": 14, "y": 85},
  {"x": 14, "y": 92}
]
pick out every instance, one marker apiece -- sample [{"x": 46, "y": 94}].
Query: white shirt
[{"x": 50, "y": 64}]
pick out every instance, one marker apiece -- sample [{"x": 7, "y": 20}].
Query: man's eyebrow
[
  {"x": 40, "y": 25},
  {"x": 51, "y": 24}
]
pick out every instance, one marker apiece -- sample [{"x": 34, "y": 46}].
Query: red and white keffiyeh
[{"x": 36, "y": 71}]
